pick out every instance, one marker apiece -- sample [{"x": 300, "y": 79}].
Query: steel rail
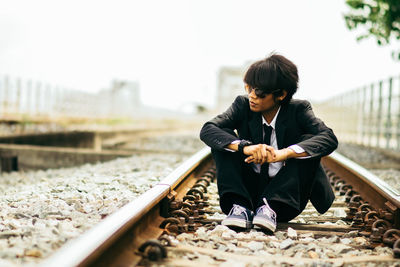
[
  {"x": 373, "y": 189},
  {"x": 84, "y": 250}
]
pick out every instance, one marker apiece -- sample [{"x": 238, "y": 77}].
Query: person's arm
[
  {"x": 213, "y": 132},
  {"x": 288, "y": 153},
  {"x": 276, "y": 155},
  {"x": 320, "y": 140},
  {"x": 233, "y": 147}
]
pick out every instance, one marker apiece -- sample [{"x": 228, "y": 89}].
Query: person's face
[{"x": 263, "y": 102}]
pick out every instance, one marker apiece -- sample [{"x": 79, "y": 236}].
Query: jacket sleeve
[
  {"x": 214, "y": 132},
  {"x": 320, "y": 140}
]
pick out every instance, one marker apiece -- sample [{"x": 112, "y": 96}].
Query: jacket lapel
[
  {"x": 255, "y": 128},
  {"x": 280, "y": 126}
]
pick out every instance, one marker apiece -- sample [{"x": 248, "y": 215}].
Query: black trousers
[{"x": 239, "y": 184}]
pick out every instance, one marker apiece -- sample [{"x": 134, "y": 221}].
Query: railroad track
[{"x": 177, "y": 223}]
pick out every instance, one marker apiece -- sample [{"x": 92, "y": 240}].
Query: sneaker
[
  {"x": 265, "y": 217},
  {"x": 239, "y": 217}
]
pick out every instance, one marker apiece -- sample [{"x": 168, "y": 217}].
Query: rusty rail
[{"x": 374, "y": 190}]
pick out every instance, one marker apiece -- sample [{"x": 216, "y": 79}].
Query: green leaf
[{"x": 379, "y": 18}]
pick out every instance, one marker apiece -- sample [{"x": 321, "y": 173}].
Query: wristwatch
[{"x": 242, "y": 144}]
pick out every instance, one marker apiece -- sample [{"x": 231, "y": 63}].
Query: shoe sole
[
  {"x": 263, "y": 224},
  {"x": 236, "y": 223}
]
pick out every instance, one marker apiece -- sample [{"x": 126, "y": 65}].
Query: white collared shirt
[{"x": 275, "y": 166}]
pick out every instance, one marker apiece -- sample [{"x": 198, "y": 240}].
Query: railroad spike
[
  {"x": 396, "y": 249},
  {"x": 153, "y": 250},
  {"x": 390, "y": 236}
]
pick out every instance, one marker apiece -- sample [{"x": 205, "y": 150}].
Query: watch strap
[{"x": 242, "y": 144}]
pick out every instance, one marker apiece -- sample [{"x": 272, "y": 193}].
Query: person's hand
[
  {"x": 259, "y": 154},
  {"x": 273, "y": 155}
]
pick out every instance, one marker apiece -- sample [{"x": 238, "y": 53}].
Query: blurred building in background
[
  {"x": 229, "y": 85},
  {"x": 123, "y": 98}
]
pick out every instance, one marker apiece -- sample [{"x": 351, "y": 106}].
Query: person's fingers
[
  {"x": 249, "y": 159},
  {"x": 271, "y": 150},
  {"x": 263, "y": 161},
  {"x": 259, "y": 156},
  {"x": 264, "y": 153}
]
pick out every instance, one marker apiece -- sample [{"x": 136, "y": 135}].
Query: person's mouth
[{"x": 252, "y": 104}]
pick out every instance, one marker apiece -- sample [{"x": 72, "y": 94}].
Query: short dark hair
[{"x": 273, "y": 73}]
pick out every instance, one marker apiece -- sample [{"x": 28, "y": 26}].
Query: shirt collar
[{"x": 273, "y": 122}]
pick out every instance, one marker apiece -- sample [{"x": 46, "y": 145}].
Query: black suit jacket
[{"x": 295, "y": 124}]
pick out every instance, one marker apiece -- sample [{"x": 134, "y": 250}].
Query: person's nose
[{"x": 252, "y": 94}]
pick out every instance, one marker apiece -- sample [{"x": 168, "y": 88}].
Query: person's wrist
[
  {"x": 243, "y": 144},
  {"x": 288, "y": 153}
]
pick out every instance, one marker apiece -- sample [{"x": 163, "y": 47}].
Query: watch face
[{"x": 245, "y": 143}]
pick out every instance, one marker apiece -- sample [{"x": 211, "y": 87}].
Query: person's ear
[{"x": 283, "y": 95}]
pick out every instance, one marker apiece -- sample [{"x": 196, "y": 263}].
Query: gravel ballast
[{"x": 41, "y": 210}]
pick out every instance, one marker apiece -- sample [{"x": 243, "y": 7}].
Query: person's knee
[{"x": 225, "y": 156}]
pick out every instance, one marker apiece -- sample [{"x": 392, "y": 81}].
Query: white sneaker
[
  {"x": 239, "y": 217},
  {"x": 265, "y": 217}
]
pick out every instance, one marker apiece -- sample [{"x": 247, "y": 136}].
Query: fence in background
[
  {"x": 369, "y": 115},
  {"x": 28, "y": 97}
]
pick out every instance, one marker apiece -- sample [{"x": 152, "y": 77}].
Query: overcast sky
[{"x": 174, "y": 48}]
